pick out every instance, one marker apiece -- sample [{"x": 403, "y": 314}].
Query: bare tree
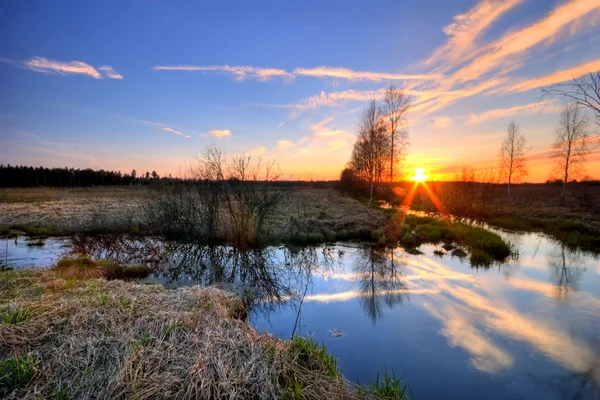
[
  {"x": 512, "y": 154},
  {"x": 584, "y": 91},
  {"x": 571, "y": 144},
  {"x": 395, "y": 106},
  {"x": 370, "y": 153}
]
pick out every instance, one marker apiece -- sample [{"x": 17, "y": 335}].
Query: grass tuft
[
  {"x": 314, "y": 357},
  {"x": 387, "y": 386},
  {"x": 14, "y": 316},
  {"x": 16, "y": 373}
]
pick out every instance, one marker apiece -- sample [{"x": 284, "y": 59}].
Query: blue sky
[{"x": 146, "y": 84}]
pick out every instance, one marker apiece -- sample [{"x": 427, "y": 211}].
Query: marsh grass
[
  {"x": 387, "y": 386},
  {"x": 79, "y": 268},
  {"x": 15, "y": 373},
  {"x": 118, "y": 339},
  {"x": 84, "y": 267},
  {"x": 14, "y": 316},
  {"x": 485, "y": 246}
]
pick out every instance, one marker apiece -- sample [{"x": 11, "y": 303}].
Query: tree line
[{"x": 25, "y": 176}]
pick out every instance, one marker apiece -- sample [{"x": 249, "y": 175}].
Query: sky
[{"x": 145, "y": 85}]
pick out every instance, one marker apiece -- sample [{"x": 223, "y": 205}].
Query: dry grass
[
  {"x": 97, "y": 339},
  {"x": 310, "y": 215}
]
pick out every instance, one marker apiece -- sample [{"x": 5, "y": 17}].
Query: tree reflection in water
[
  {"x": 379, "y": 276},
  {"x": 567, "y": 267},
  {"x": 264, "y": 277}
]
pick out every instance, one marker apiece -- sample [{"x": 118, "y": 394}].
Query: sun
[{"x": 419, "y": 175}]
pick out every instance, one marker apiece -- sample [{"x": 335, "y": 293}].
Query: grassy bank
[
  {"x": 485, "y": 247},
  {"x": 308, "y": 216},
  {"x": 67, "y": 338}
]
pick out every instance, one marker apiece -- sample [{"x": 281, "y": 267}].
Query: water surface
[{"x": 529, "y": 328}]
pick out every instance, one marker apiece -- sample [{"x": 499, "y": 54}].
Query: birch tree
[
  {"x": 512, "y": 155},
  {"x": 570, "y": 146},
  {"x": 395, "y": 107},
  {"x": 370, "y": 151}
]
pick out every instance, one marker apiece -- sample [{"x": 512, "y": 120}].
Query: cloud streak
[
  {"x": 531, "y": 108},
  {"x": 467, "y": 28},
  {"x": 44, "y": 65},
  {"x": 175, "y": 132},
  {"x": 345, "y": 73},
  {"x": 239, "y": 73},
  {"x": 516, "y": 42},
  {"x": 557, "y": 77}
]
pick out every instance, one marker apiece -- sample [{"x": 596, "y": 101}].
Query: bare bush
[{"x": 223, "y": 199}]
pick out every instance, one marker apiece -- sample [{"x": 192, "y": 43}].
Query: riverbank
[
  {"x": 308, "y": 216},
  {"x": 66, "y": 338}
]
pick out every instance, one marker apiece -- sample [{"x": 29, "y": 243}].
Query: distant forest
[{"x": 23, "y": 176}]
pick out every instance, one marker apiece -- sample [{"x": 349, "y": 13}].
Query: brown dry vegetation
[
  {"x": 100, "y": 339},
  {"x": 309, "y": 215}
]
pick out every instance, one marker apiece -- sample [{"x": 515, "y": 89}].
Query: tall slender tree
[
  {"x": 512, "y": 154},
  {"x": 570, "y": 146},
  {"x": 395, "y": 107},
  {"x": 371, "y": 150}
]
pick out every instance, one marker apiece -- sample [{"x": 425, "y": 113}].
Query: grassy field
[
  {"x": 64, "y": 337},
  {"x": 308, "y": 215}
]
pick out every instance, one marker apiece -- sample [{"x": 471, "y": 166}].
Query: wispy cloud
[
  {"x": 337, "y": 144},
  {"x": 41, "y": 64},
  {"x": 557, "y": 77},
  {"x": 516, "y": 42},
  {"x": 219, "y": 133},
  {"x": 345, "y": 73},
  {"x": 466, "y": 29},
  {"x": 284, "y": 144},
  {"x": 442, "y": 122},
  {"x": 110, "y": 72},
  {"x": 531, "y": 108},
  {"x": 237, "y": 72},
  {"x": 175, "y": 132},
  {"x": 258, "y": 151}
]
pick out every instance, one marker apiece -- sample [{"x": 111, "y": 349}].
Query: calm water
[{"x": 526, "y": 329}]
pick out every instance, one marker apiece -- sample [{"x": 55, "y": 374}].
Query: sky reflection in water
[{"x": 525, "y": 329}]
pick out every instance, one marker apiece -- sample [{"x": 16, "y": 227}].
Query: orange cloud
[
  {"x": 284, "y": 144},
  {"x": 557, "y": 77},
  {"x": 220, "y": 133},
  {"x": 442, "y": 122},
  {"x": 521, "y": 40},
  {"x": 466, "y": 28},
  {"x": 41, "y": 64},
  {"x": 530, "y": 108},
  {"x": 239, "y": 73},
  {"x": 258, "y": 151}
]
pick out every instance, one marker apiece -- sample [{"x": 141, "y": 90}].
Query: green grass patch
[
  {"x": 387, "y": 386},
  {"x": 14, "y": 316},
  {"x": 311, "y": 355},
  {"x": 15, "y": 373},
  {"x": 486, "y": 246}
]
